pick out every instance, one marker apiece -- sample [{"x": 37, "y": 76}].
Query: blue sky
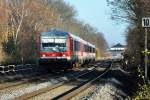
[{"x": 97, "y": 14}]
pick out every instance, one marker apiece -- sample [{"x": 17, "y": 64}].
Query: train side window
[
  {"x": 71, "y": 44},
  {"x": 86, "y": 48},
  {"x": 92, "y": 50},
  {"x": 76, "y": 45}
]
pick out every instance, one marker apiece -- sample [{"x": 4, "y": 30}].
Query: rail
[
  {"x": 74, "y": 91},
  {"x": 49, "y": 88}
]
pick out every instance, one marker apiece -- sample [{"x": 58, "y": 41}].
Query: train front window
[{"x": 54, "y": 44}]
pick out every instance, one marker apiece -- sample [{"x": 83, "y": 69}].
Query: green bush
[{"x": 143, "y": 93}]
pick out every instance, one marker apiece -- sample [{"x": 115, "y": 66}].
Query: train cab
[{"x": 61, "y": 49}]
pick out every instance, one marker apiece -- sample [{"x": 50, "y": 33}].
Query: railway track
[
  {"x": 10, "y": 91},
  {"x": 20, "y": 79},
  {"x": 81, "y": 87},
  {"x": 49, "y": 88},
  {"x": 8, "y": 85},
  {"x": 21, "y": 72},
  {"x": 24, "y": 80},
  {"x": 66, "y": 89}
]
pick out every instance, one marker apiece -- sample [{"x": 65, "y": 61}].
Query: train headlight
[
  {"x": 64, "y": 55},
  {"x": 43, "y": 55},
  {"x": 53, "y": 55}
]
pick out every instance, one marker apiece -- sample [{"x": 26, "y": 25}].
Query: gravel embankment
[
  {"x": 116, "y": 85},
  {"x": 105, "y": 91},
  {"x": 12, "y": 94}
]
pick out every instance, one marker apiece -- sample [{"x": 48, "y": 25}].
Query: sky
[{"x": 97, "y": 13}]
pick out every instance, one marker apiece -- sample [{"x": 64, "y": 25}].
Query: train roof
[
  {"x": 80, "y": 39},
  {"x": 54, "y": 32}
]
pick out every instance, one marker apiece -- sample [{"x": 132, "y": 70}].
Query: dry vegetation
[
  {"x": 22, "y": 20},
  {"x": 132, "y": 11}
]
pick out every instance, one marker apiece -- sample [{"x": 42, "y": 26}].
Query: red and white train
[{"x": 58, "y": 49}]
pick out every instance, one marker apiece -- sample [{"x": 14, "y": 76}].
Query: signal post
[{"x": 146, "y": 25}]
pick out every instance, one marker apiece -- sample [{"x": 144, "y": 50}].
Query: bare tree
[
  {"x": 23, "y": 20},
  {"x": 132, "y": 11}
]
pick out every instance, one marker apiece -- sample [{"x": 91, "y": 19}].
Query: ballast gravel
[
  {"x": 9, "y": 95},
  {"x": 103, "y": 90},
  {"x": 117, "y": 85}
]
